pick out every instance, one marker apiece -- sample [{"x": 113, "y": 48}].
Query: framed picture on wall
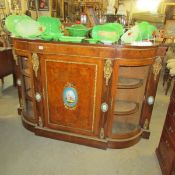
[
  {"x": 31, "y": 5},
  {"x": 15, "y": 4},
  {"x": 43, "y": 5},
  {"x": 2, "y": 4},
  {"x": 66, "y": 9},
  {"x": 54, "y": 5}
]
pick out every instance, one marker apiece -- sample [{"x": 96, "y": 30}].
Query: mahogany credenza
[
  {"x": 166, "y": 148},
  {"x": 96, "y": 95}
]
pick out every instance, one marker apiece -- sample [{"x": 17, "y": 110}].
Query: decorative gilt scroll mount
[
  {"x": 146, "y": 124},
  {"x": 157, "y": 67},
  {"x": 102, "y": 133},
  {"x": 108, "y": 70},
  {"x": 35, "y": 61},
  {"x": 40, "y": 122}
]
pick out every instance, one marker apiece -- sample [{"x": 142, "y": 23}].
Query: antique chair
[
  {"x": 7, "y": 63},
  {"x": 169, "y": 71}
]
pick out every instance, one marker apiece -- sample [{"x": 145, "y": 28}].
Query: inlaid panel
[{"x": 72, "y": 95}]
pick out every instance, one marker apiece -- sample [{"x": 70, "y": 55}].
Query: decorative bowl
[
  {"x": 78, "y": 30},
  {"x": 108, "y": 32},
  {"x": 91, "y": 40},
  {"x": 71, "y": 39},
  {"x": 12, "y": 20},
  {"x": 28, "y": 28}
]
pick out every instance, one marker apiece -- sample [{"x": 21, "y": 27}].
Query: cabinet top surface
[
  {"x": 87, "y": 50},
  {"x": 115, "y": 46}
]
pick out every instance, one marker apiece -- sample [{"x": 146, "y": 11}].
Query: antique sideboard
[{"x": 96, "y": 95}]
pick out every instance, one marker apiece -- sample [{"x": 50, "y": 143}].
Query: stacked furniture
[
  {"x": 96, "y": 95},
  {"x": 7, "y": 63},
  {"x": 166, "y": 148}
]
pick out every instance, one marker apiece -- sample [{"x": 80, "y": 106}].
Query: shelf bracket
[
  {"x": 35, "y": 61},
  {"x": 108, "y": 70}
]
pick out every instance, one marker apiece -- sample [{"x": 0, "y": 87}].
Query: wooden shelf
[
  {"x": 125, "y": 107},
  {"x": 129, "y": 83}
]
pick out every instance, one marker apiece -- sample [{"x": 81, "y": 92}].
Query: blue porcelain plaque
[{"x": 70, "y": 97}]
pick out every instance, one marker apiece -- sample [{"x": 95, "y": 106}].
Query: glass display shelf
[
  {"x": 129, "y": 83},
  {"x": 125, "y": 107}
]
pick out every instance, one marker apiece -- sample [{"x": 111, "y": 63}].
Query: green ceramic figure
[
  {"x": 52, "y": 27},
  {"x": 28, "y": 28},
  {"x": 107, "y": 33},
  {"x": 12, "y": 20},
  {"x": 78, "y": 30},
  {"x": 139, "y": 32}
]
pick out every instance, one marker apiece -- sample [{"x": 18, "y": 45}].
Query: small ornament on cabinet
[
  {"x": 146, "y": 124},
  {"x": 157, "y": 67},
  {"x": 35, "y": 61},
  {"x": 40, "y": 122},
  {"x": 108, "y": 70},
  {"x": 70, "y": 96},
  {"x": 102, "y": 133},
  {"x": 38, "y": 97}
]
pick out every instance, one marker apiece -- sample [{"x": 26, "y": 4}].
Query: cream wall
[{"x": 24, "y": 5}]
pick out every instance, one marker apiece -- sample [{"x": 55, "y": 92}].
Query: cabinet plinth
[{"x": 93, "y": 95}]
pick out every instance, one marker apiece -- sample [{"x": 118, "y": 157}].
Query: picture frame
[
  {"x": 54, "y": 5},
  {"x": 31, "y": 5},
  {"x": 43, "y": 5},
  {"x": 16, "y": 4},
  {"x": 66, "y": 10},
  {"x": 2, "y": 4},
  {"x": 169, "y": 30}
]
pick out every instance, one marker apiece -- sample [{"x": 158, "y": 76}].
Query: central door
[{"x": 72, "y": 93}]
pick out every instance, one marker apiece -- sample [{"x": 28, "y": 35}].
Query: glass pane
[
  {"x": 128, "y": 99},
  {"x": 125, "y": 124},
  {"x": 27, "y": 86}
]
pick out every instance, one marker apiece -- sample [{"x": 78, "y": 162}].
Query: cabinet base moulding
[{"x": 86, "y": 140}]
